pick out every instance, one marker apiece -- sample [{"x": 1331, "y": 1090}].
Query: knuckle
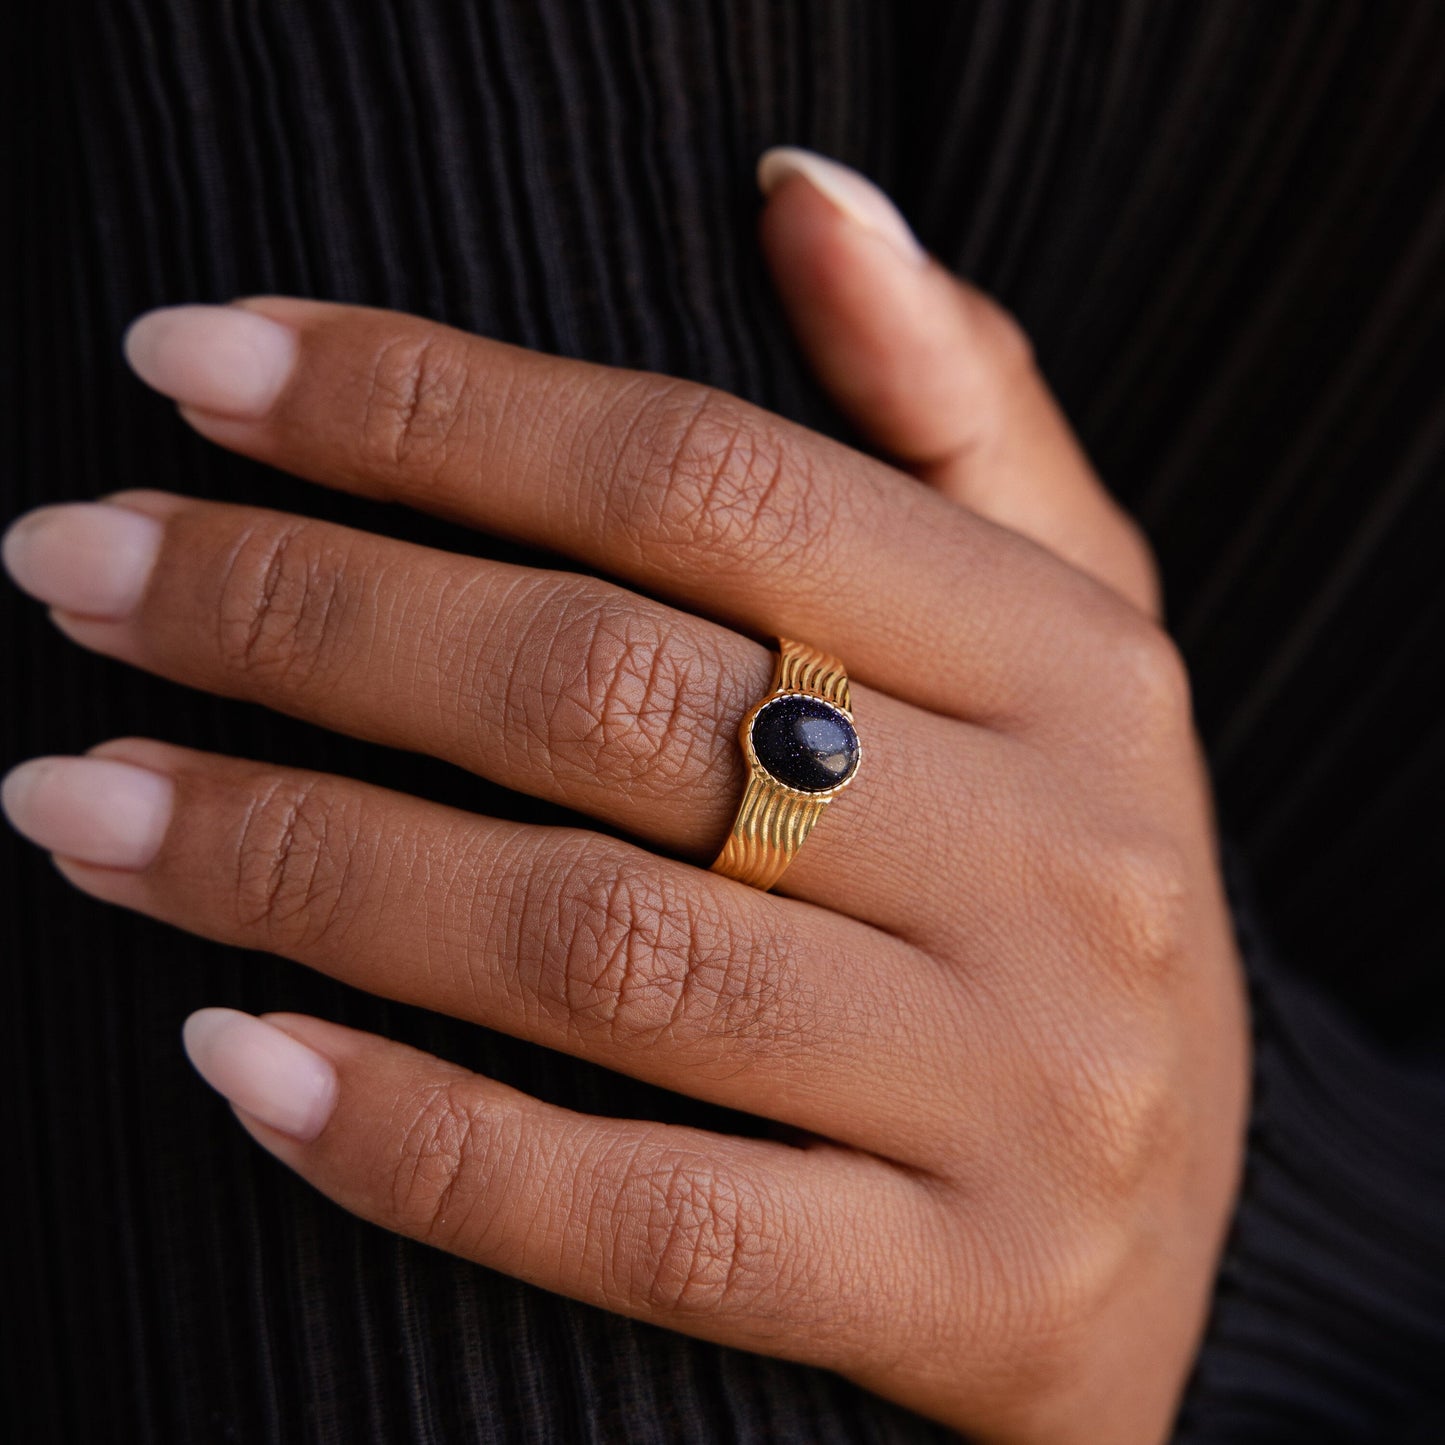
[
  {"x": 995, "y": 364},
  {"x": 1000, "y": 337},
  {"x": 630, "y": 955},
  {"x": 300, "y": 857},
  {"x": 1052, "y": 1273},
  {"x": 281, "y": 598},
  {"x": 710, "y": 479},
  {"x": 623, "y": 699},
  {"x": 1118, "y": 1104},
  {"x": 440, "y": 1170},
  {"x": 1138, "y": 899},
  {"x": 694, "y": 1238},
  {"x": 1148, "y": 678},
  {"x": 415, "y": 386}
]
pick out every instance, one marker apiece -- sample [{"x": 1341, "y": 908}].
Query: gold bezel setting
[
  {"x": 760, "y": 769},
  {"x": 774, "y": 818}
]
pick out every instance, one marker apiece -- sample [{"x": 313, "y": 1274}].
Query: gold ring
[{"x": 802, "y": 750}]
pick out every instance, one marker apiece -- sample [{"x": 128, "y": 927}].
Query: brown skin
[{"x": 999, "y": 984}]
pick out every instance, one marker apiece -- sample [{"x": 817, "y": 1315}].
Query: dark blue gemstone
[{"x": 805, "y": 743}]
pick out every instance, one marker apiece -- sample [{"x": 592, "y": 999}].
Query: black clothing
[{"x": 1224, "y": 226}]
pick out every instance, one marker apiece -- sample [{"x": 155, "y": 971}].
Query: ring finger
[{"x": 562, "y": 686}]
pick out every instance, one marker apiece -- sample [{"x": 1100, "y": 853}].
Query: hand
[{"x": 997, "y": 991}]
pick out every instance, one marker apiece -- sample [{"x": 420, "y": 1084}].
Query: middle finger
[{"x": 561, "y": 686}]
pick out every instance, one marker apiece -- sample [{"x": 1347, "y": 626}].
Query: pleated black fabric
[{"x": 1225, "y": 228}]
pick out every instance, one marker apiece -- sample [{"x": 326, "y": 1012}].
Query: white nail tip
[{"x": 853, "y": 194}]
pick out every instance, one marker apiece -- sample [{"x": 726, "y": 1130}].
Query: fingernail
[
  {"x": 94, "y": 810},
  {"x": 214, "y": 358},
  {"x": 262, "y": 1070},
  {"x": 84, "y": 557},
  {"x": 858, "y": 198}
]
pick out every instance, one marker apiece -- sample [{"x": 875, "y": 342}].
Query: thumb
[{"x": 933, "y": 372}]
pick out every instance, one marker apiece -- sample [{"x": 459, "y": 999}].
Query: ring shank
[{"x": 800, "y": 668}]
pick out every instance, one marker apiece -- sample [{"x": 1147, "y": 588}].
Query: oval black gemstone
[{"x": 805, "y": 743}]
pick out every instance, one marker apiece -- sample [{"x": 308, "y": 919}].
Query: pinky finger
[{"x": 741, "y": 1241}]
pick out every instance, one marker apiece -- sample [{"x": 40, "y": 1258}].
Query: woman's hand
[{"x": 1000, "y": 995}]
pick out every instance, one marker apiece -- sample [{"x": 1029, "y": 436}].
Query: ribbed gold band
[{"x": 773, "y": 820}]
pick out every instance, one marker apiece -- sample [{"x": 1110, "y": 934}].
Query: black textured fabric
[{"x": 1224, "y": 226}]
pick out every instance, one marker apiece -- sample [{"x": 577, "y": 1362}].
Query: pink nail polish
[
  {"x": 93, "y": 810},
  {"x": 263, "y": 1071},
  {"x": 221, "y": 359},
  {"x": 84, "y": 557}
]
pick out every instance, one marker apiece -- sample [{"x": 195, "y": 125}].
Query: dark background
[{"x": 1224, "y": 226}]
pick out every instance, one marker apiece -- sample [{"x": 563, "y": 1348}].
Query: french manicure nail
[
  {"x": 213, "y": 358},
  {"x": 94, "y": 810},
  {"x": 262, "y": 1070},
  {"x": 857, "y": 197},
  {"x": 84, "y": 557}
]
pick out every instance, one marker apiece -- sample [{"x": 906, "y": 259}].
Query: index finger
[
  {"x": 937, "y": 373},
  {"x": 688, "y": 491}
]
